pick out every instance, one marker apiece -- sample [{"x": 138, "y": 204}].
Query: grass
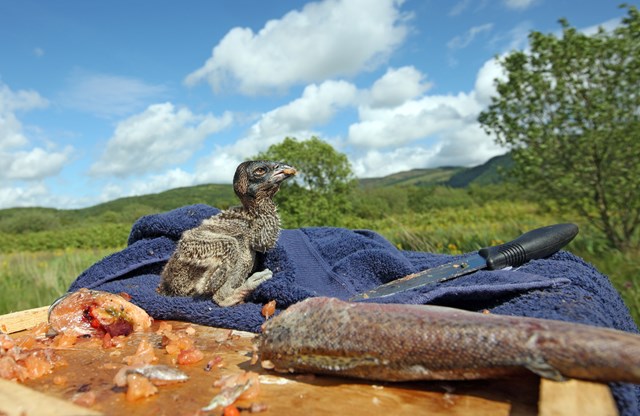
[
  {"x": 623, "y": 270},
  {"x": 32, "y": 279},
  {"x": 459, "y": 230}
]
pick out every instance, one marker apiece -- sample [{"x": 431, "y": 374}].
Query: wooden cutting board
[{"x": 94, "y": 369}]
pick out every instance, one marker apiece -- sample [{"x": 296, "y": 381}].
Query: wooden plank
[
  {"x": 546, "y": 398},
  {"x": 575, "y": 397},
  {"x": 18, "y": 400},
  {"x": 19, "y": 321}
]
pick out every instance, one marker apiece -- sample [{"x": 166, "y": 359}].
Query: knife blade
[{"x": 534, "y": 244}]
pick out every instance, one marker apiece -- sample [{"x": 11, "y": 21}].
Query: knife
[{"x": 535, "y": 244}]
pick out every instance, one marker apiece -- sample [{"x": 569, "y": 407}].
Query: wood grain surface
[{"x": 19, "y": 321}]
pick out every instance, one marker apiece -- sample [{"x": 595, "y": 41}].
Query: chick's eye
[{"x": 260, "y": 171}]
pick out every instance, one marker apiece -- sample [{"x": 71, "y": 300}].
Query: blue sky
[{"x": 100, "y": 100}]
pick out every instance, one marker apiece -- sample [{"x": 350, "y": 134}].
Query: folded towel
[{"x": 337, "y": 262}]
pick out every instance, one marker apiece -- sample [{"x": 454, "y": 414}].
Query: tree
[
  {"x": 569, "y": 109},
  {"x": 319, "y": 193}
]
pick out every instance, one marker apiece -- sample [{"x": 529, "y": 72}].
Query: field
[
  {"x": 440, "y": 219},
  {"x": 31, "y": 279}
]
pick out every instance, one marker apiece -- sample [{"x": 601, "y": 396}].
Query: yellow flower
[{"x": 453, "y": 249}]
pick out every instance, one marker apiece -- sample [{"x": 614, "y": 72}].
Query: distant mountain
[
  {"x": 130, "y": 208},
  {"x": 414, "y": 177},
  {"x": 119, "y": 211},
  {"x": 456, "y": 177},
  {"x": 212, "y": 194},
  {"x": 485, "y": 174}
]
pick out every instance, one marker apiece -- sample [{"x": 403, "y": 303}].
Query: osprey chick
[{"x": 217, "y": 258}]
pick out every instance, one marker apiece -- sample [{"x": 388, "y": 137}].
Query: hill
[
  {"x": 414, "y": 177},
  {"x": 212, "y": 194},
  {"x": 485, "y": 174},
  {"x": 456, "y": 177},
  {"x": 119, "y": 211},
  {"x": 119, "y": 214},
  {"x": 222, "y": 195}
]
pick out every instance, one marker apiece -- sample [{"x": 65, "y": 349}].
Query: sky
[{"x": 101, "y": 100}]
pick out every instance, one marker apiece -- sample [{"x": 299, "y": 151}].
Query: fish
[
  {"x": 158, "y": 374},
  {"x": 245, "y": 385},
  {"x": 94, "y": 312},
  {"x": 226, "y": 397},
  {"x": 397, "y": 342}
]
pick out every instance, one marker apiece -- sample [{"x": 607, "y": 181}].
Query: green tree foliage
[
  {"x": 319, "y": 195},
  {"x": 569, "y": 109},
  {"x": 373, "y": 203},
  {"x": 25, "y": 220}
]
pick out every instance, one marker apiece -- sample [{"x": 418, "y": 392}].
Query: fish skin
[{"x": 393, "y": 342}]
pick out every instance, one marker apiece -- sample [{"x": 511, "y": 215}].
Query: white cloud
[
  {"x": 36, "y": 194},
  {"x": 107, "y": 95},
  {"x": 462, "y": 41},
  {"x": 425, "y": 131},
  {"x": 412, "y": 120},
  {"x": 608, "y": 26},
  {"x": 377, "y": 163},
  {"x": 34, "y": 164},
  {"x": 519, "y": 4},
  {"x": 397, "y": 86},
  {"x": 464, "y": 6},
  {"x": 485, "y": 81},
  {"x": 220, "y": 165},
  {"x": 411, "y": 117},
  {"x": 467, "y": 146},
  {"x": 459, "y": 7},
  {"x": 174, "y": 178},
  {"x": 11, "y": 133},
  {"x": 18, "y": 161},
  {"x": 22, "y": 100},
  {"x": 324, "y": 40},
  {"x": 317, "y": 105},
  {"x": 24, "y": 196},
  {"x": 159, "y": 137},
  {"x": 217, "y": 167},
  {"x": 518, "y": 37}
]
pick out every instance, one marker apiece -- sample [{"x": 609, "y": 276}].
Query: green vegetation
[
  {"x": 431, "y": 218},
  {"x": 31, "y": 279},
  {"x": 417, "y": 177},
  {"x": 569, "y": 110},
  {"x": 102, "y": 226},
  {"x": 319, "y": 193}
]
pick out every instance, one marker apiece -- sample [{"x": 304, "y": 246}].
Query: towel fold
[{"x": 337, "y": 262}]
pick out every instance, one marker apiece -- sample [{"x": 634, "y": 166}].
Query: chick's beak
[{"x": 283, "y": 172}]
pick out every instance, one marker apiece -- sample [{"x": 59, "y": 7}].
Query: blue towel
[{"x": 337, "y": 262}]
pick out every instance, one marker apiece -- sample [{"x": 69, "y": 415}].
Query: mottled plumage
[{"x": 217, "y": 258}]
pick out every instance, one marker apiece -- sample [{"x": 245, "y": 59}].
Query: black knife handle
[{"x": 534, "y": 244}]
